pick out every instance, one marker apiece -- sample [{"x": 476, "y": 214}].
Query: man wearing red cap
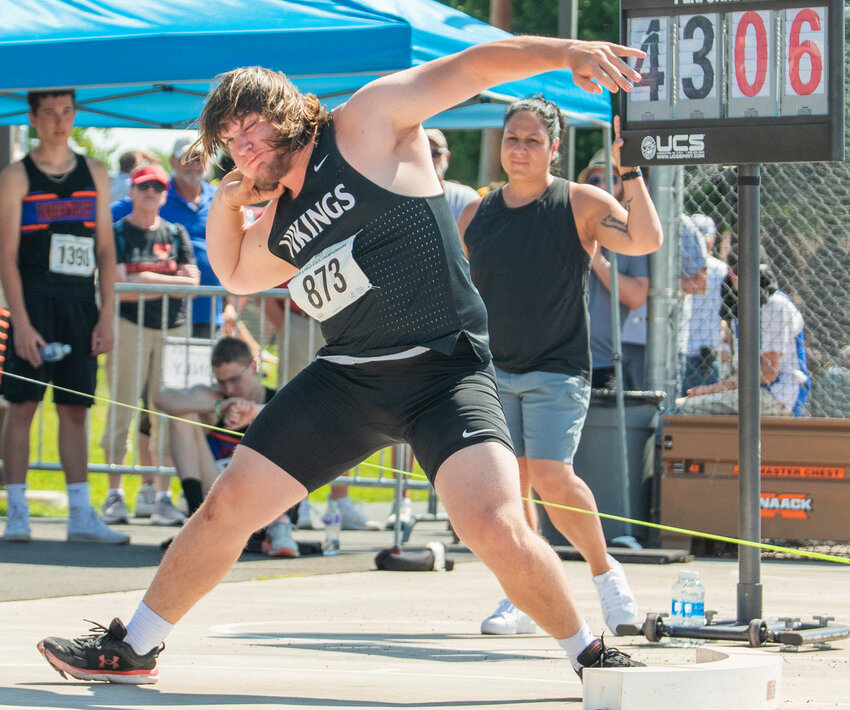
[
  {"x": 148, "y": 250},
  {"x": 55, "y": 232}
]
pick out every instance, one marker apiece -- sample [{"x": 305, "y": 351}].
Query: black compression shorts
[
  {"x": 331, "y": 417},
  {"x": 57, "y": 320}
]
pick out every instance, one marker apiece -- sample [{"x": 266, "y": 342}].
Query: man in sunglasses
[
  {"x": 229, "y": 405},
  {"x": 149, "y": 250},
  {"x": 459, "y": 196}
]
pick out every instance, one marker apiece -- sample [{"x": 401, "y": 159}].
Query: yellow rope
[{"x": 412, "y": 474}]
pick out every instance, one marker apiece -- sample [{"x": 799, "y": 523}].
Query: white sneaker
[
  {"x": 305, "y": 516},
  {"x": 619, "y": 605},
  {"x": 146, "y": 501},
  {"x": 84, "y": 525},
  {"x": 352, "y": 518},
  {"x": 114, "y": 510},
  {"x": 507, "y": 619},
  {"x": 17, "y": 524},
  {"x": 405, "y": 513},
  {"x": 279, "y": 541},
  {"x": 166, "y": 513}
]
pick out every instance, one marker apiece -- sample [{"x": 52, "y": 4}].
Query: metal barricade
[{"x": 271, "y": 321}]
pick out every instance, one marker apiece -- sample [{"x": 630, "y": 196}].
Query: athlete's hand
[
  {"x": 239, "y": 191},
  {"x": 27, "y": 342},
  {"x": 600, "y": 61},
  {"x": 102, "y": 337}
]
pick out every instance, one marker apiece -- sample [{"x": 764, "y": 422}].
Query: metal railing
[{"x": 282, "y": 341}]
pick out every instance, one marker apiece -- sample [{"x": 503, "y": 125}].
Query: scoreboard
[{"x": 734, "y": 81}]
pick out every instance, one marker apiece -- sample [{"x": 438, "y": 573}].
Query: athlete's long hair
[{"x": 294, "y": 115}]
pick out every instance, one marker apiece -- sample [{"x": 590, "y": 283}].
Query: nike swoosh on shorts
[{"x": 468, "y": 434}]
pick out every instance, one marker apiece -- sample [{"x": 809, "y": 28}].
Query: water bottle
[
  {"x": 676, "y": 606},
  {"x": 53, "y": 352},
  {"x": 694, "y": 606},
  {"x": 333, "y": 523},
  {"x": 677, "y": 613}
]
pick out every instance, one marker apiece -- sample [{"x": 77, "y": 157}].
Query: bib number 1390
[
  {"x": 71, "y": 255},
  {"x": 330, "y": 281}
]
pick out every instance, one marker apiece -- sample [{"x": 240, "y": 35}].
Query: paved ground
[{"x": 336, "y": 633}]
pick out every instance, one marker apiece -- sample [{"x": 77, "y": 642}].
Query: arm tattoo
[{"x": 612, "y": 222}]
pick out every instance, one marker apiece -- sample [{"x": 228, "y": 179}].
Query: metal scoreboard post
[{"x": 734, "y": 81}]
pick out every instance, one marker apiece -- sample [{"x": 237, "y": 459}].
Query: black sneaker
[
  {"x": 101, "y": 655},
  {"x": 597, "y": 655}
]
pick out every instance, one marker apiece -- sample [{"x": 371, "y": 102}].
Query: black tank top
[
  {"x": 531, "y": 270},
  {"x": 58, "y": 218},
  {"x": 407, "y": 247}
]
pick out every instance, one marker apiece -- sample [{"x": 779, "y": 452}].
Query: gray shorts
[{"x": 545, "y": 412}]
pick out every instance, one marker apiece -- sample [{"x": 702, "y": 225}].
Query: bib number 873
[{"x": 323, "y": 283}]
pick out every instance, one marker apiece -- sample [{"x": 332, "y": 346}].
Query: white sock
[
  {"x": 576, "y": 643},
  {"x": 146, "y": 630},
  {"x": 16, "y": 494},
  {"x": 163, "y": 495},
  {"x": 79, "y": 496},
  {"x": 115, "y": 492}
]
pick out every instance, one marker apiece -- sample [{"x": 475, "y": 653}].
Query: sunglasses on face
[
  {"x": 437, "y": 152},
  {"x": 151, "y": 185},
  {"x": 599, "y": 180}
]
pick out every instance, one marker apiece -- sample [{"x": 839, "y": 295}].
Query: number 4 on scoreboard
[
  {"x": 651, "y": 75},
  {"x": 649, "y": 99}
]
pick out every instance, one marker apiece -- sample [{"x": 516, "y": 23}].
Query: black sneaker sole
[{"x": 140, "y": 677}]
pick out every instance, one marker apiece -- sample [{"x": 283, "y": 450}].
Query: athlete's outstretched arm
[{"x": 409, "y": 97}]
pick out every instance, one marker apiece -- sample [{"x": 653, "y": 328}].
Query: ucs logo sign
[{"x": 673, "y": 147}]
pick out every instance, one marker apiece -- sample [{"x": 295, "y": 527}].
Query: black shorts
[
  {"x": 58, "y": 320},
  {"x": 331, "y": 417}
]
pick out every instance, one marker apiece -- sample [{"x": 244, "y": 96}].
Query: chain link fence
[{"x": 805, "y": 237}]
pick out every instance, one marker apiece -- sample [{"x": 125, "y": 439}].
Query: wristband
[
  {"x": 217, "y": 408},
  {"x": 631, "y": 175}
]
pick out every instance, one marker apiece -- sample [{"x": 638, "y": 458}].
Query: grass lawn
[{"x": 55, "y": 480}]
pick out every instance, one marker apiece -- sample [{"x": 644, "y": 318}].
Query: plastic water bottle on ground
[
  {"x": 694, "y": 598},
  {"x": 677, "y": 613},
  {"x": 53, "y": 352},
  {"x": 333, "y": 523}
]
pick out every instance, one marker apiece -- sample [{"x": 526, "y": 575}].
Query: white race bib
[
  {"x": 70, "y": 255},
  {"x": 330, "y": 281}
]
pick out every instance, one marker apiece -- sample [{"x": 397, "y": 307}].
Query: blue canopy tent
[{"x": 150, "y": 64}]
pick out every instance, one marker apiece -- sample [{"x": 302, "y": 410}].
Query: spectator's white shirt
[
  {"x": 699, "y": 318},
  {"x": 459, "y": 196},
  {"x": 781, "y": 323}
]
